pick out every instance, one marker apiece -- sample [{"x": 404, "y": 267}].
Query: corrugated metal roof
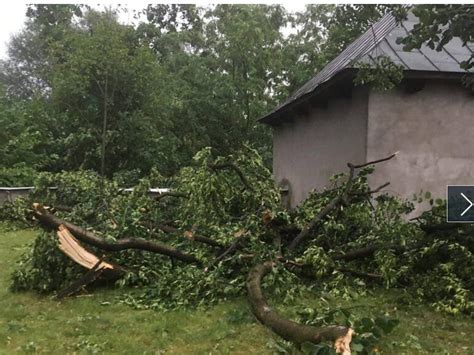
[{"x": 381, "y": 39}]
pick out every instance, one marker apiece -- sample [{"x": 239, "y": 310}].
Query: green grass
[{"x": 31, "y": 323}]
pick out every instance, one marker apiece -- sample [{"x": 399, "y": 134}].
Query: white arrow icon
[{"x": 470, "y": 204}]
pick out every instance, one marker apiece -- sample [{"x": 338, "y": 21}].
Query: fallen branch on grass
[{"x": 287, "y": 329}]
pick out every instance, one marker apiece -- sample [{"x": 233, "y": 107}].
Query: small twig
[
  {"x": 375, "y": 161},
  {"x": 378, "y": 189},
  {"x": 230, "y": 250},
  {"x": 236, "y": 169}
]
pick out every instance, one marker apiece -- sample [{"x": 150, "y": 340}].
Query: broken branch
[
  {"x": 375, "y": 161},
  {"x": 122, "y": 244},
  {"x": 333, "y": 203},
  {"x": 287, "y": 329}
]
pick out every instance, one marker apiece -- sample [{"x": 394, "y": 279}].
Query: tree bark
[{"x": 287, "y": 329}]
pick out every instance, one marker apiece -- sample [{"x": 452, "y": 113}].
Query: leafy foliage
[
  {"x": 219, "y": 203},
  {"x": 438, "y": 25},
  {"x": 186, "y": 78},
  {"x": 381, "y": 74},
  {"x": 20, "y": 175}
]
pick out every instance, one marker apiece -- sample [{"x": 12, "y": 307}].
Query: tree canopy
[
  {"x": 83, "y": 86},
  {"x": 81, "y": 90}
]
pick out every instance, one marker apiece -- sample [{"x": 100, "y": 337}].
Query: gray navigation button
[{"x": 460, "y": 203}]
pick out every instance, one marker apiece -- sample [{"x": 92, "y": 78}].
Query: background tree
[
  {"x": 106, "y": 83},
  {"x": 122, "y": 99},
  {"x": 438, "y": 25}
]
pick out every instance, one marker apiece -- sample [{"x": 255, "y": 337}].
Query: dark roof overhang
[{"x": 340, "y": 85}]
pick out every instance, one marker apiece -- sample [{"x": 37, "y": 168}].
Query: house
[{"x": 428, "y": 118}]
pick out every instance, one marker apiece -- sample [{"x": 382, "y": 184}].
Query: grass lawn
[{"x": 94, "y": 324}]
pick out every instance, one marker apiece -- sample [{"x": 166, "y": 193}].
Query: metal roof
[{"x": 381, "y": 40}]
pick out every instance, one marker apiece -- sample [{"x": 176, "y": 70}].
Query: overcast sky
[
  {"x": 12, "y": 17},
  {"x": 11, "y": 20}
]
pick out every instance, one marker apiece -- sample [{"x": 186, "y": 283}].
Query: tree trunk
[{"x": 104, "y": 127}]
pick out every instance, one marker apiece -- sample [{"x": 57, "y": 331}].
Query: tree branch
[
  {"x": 122, "y": 244},
  {"x": 194, "y": 237},
  {"x": 230, "y": 250},
  {"x": 375, "y": 161},
  {"x": 236, "y": 169},
  {"x": 287, "y": 329},
  {"x": 333, "y": 203}
]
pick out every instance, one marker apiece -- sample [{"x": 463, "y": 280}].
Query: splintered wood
[
  {"x": 342, "y": 344},
  {"x": 71, "y": 247}
]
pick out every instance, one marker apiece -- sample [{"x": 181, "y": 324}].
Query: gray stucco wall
[
  {"x": 309, "y": 149},
  {"x": 433, "y": 130}
]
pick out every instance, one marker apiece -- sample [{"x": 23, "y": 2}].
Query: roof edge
[{"x": 273, "y": 117}]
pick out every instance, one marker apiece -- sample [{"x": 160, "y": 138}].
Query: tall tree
[
  {"x": 106, "y": 82},
  {"x": 27, "y": 71},
  {"x": 226, "y": 62}
]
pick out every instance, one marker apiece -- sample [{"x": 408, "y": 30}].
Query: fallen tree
[{"x": 339, "y": 235}]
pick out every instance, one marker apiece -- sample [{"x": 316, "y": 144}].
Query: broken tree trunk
[
  {"x": 122, "y": 244},
  {"x": 96, "y": 267},
  {"x": 89, "y": 277},
  {"x": 287, "y": 329},
  {"x": 71, "y": 247}
]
